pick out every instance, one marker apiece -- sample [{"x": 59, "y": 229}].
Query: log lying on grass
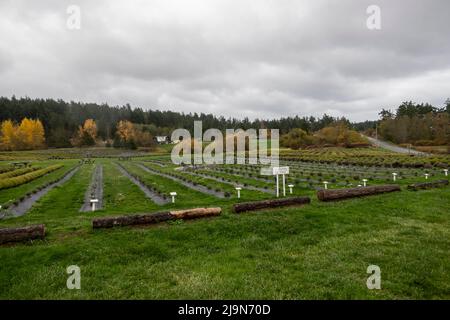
[
  {"x": 22, "y": 233},
  {"x": 426, "y": 185},
  {"x": 339, "y": 194},
  {"x": 273, "y": 203},
  {"x": 152, "y": 218},
  {"x": 196, "y": 213}
]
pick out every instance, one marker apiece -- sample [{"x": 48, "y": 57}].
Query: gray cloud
[{"x": 254, "y": 58}]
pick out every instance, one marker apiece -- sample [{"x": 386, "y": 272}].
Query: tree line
[
  {"x": 418, "y": 124},
  {"x": 336, "y": 134},
  {"x": 62, "y": 120},
  {"x": 66, "y": 124}
]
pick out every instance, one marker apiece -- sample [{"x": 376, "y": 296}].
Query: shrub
[
  {"x": 16, "y": 173},
  {"x": 25, "y": 178}
]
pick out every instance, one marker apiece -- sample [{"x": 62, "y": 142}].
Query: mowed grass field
[{"x": 316, "y": 251}]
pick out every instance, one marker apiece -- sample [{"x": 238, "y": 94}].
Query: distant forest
[
  {"x": 62, "y": 119},
  {"x": 408, "y": 123}
]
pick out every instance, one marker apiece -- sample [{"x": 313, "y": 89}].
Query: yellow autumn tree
[
  {"x": 28, "y": 135},
  {"x": 90, "y": 127},
  {"x": 86, "y": 134},
  {"x": 37, "y": 135},
  {"x": 125, "y": 131},
  {"x": 7, "y": 135}
]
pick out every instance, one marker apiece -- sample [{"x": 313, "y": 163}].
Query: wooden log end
[{"x": 22, "y": 233}]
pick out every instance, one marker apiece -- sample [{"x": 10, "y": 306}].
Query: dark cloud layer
[{"x": 254, "y": 58}]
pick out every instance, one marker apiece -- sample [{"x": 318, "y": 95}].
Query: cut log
[
  {"x": 272, "y": 203},
  {"x": 196, "y": 213},
  {"x": 426, "y": 185},
  {"x": 339, "y": 194},
  {"x": 138, "y": 219},
  {"x": 153, "y": 218},
  {"x": 22, "y": 233}
]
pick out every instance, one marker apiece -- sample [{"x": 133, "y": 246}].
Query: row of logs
[{"x": 38, "y": 231}]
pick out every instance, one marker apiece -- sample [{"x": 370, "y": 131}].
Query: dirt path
[
  {"x": 95, "y": 191},
  {"x": 27, "y": 203},
  {"x": 392, "y": 147},
  {"x": 189, "y": 185},
  {"x": 150, "y": 194}
]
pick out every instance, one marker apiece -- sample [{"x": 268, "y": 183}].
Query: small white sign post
[
  {"x": 364, "y": 182},
  {"x": 238, "y": 189},
  {"x": 93, "y": 204},
  {"x": 394, "y": 176},
  {"x": 281, "y": 171},
  {"x": 446, "y": 172},
  {"x": 426, "y": 176},
  {"x": 173, "y": 194},
  {"x": 276, "y": 171},
  {"x": 325, "y": 183},
  {"x": 290, "y": 186}
]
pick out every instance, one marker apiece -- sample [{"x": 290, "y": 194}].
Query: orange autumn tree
[
  {"x": 125, "y": 131},
  {"x": 29, "y": 135},
  {"x": 86, "y": 134},
  {"x": 131, "y": 136}
]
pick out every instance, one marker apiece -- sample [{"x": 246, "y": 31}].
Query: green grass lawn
[{"x": 318, "y": 251}]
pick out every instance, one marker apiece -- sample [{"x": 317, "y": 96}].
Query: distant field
[
  {"x": 433, "y": 149},
  {"x": 317, "y": 251}
]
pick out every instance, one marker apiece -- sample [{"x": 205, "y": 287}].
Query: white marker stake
[
  {"x": 364, "y": 182},
  {"x": 93, "y": 202},
  {"x": 278, "y": 188},
  {"x": 173, "y": 194},
  {"x": 284, "y": 185},
  {"x": 325, "y": 183},
  {"x": 426, "y": 176},
  {"x": 239, "y": 192},
  {"x": 394, "y": 176},
  {"x": 290, "y": 186},
  {"x": 446, "y": 172}
]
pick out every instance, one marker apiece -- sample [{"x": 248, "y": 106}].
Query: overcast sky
[{"x": 253, "y": 58}]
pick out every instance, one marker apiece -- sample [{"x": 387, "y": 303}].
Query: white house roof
[{"x": 161, "y": 138}]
